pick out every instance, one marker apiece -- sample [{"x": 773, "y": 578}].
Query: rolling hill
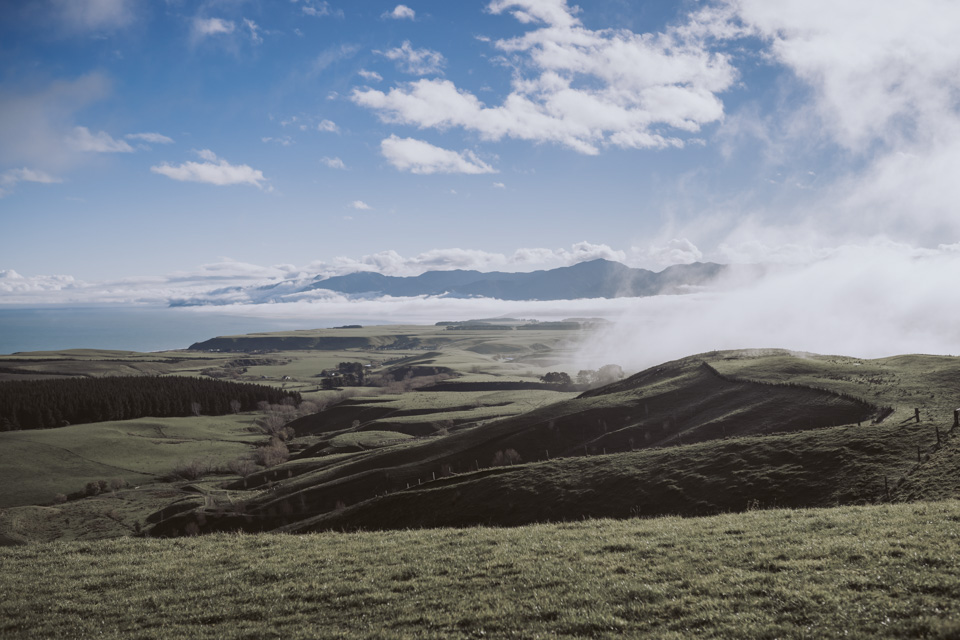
[{"x": 680, "y": 438}]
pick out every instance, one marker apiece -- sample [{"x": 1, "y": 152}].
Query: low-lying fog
[{"x": 865, "y": 302}]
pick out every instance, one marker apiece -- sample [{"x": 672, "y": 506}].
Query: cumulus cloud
[
  {"x": 82, "y": 140},
  {"x": 328, "y": 126},
  {"x": 212, "y": 26},
  {"x": 420, "y": 62},
  {"x": 360, "y": 205},
  {"x": 417, "y": 156},
  {"x": 333, "y": 163},
  {"x": 400, "y": 12},
  {"x": 153, "y": 138},
  {"x": 213, "y": 170},
  {"x": 578, "y": 87}
]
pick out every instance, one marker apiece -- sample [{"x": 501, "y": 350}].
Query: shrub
[
  {"x": 193, "y": 470},
  {"x": 242, "y": 467},
  {"x": 272, "y": 454}
]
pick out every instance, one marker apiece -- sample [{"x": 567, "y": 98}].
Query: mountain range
[{"x": 593, "y": 279}]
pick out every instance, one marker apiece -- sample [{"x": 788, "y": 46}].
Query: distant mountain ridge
[{"x": 594, "y": 279}]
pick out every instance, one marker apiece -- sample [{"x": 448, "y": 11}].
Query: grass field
[
  {"x": 37, "y": 465},
  {"x": 748, "y": 443},
  {"x": 851, "y": 572}
]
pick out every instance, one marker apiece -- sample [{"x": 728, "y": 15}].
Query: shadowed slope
[{"x": 677, "y": 403}]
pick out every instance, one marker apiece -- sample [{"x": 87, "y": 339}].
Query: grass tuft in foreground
[{"x": 878, "y": 571}]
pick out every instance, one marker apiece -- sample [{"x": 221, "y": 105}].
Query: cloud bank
[{"x": 861, "y": 300}]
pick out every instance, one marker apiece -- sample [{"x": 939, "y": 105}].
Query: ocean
[{"x": 128, "y": 328}]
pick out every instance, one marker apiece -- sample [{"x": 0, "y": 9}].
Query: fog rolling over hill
[{"x": 592, "y": 279}]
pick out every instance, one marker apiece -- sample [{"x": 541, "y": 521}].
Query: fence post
[
  {"x": 938, "y": 437},
  {"x": 916, "y": 414},
  {"x": 956, "y": 418}
]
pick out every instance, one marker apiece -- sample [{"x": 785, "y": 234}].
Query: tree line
[{"x": 44, "y": 404}]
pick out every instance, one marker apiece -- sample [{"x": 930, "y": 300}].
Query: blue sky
[{"x": 152, "y": 146}]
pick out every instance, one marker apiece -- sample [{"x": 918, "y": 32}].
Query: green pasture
[
  {"x": 849, "y": 572},
  {"x": 37, "y": 465}
]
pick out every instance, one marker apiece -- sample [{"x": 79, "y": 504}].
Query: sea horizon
[{"x": 25, "y": 328}]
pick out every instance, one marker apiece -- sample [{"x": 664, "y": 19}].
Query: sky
[{"x": 150, "y": 150}]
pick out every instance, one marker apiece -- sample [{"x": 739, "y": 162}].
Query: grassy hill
[
  {"x": 862, "y": 572},
  {"x": 38, "y": 465},
  {"x": 680, "y": 438}
]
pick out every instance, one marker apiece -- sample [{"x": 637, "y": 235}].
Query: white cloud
[
  {"x": 254, "y": 29},
  {"x": 12, "y": 282},
  {"x": 524, "y": 259},
  {"x": 874, "y": 89},
  {"x": 328, "y": 126},
  {"x": 285, "y": 141},
  {"x": 676, "y": 251},
  {"x": 372, "y": 76},
  {"x": 333, "y": 163},
  {"x": 578, "y": 87},
  {"x": 9, "y": 179},
  {"x": 82, "y": 140},
  {"x": 877, "y": 69},
  {"x": 400, "y": 12},
  {"x": 212, "y": 26},
  {"x": 24, "y": 174},
  {"x": 499, "y": 185},
  {"x": 153, "y": 138},
  {"x": 360, "y": 205},
  {"x": 554, "y": 13},
  {"x": 320, "y": 9},
  {"x": 417, "y": 156},
  {"x": 420, "y": 62},
  {"x": 214, "y": 171}
]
